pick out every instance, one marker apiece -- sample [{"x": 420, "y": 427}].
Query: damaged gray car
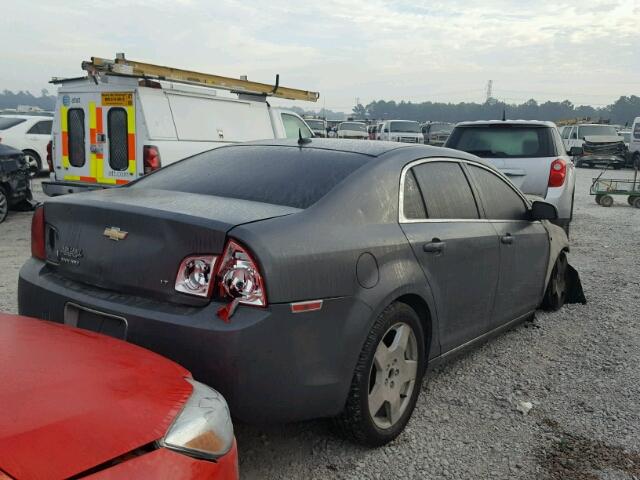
[{"x": 307, "y": 279}]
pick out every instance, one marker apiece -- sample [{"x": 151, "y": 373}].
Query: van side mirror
[
  {"x": 575, "y": 151},
  {"x": 543, "y": 211},
  {"x": 386, "y": 130}
]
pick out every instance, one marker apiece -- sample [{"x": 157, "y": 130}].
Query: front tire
[
  {"x": 556, "y": 294},
  {"x": 386, "y": 381}
]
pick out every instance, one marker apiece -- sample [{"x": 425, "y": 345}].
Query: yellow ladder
[{"x": 125, "y": 67}]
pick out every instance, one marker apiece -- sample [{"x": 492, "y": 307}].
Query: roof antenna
[
  {"x": 504, "y": 114},
  {"x": 302, "y": 141}
]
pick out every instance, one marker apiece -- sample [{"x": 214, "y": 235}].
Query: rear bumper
[
  {"x": 163, "y": 463},
  {"x": 54, "y": 189},
  {"x": 270, "y": 364}
]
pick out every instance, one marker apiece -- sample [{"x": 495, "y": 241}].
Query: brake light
[
  {"x": 239, "y": 280},
  {"x": 151, "y": 156},
  {"x": 37, "y": 234},
  {"x": 557, "y": 173},
  {"x": 49, "y": 156}
]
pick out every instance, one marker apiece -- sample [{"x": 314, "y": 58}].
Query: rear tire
[
  {"x": 606, "y": 201},
  {"x": 598, "y": 198},
  {"x": 387, "y": 378},
  {"x": 556, "y": 293},
  {"x": 4, "y": 205}
]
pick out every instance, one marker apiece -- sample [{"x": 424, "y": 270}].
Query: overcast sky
[{"x": 586, "y": 51}]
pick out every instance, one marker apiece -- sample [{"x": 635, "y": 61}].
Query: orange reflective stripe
[
  {"x": 121, "y": 182},
  {"x": 88, "y": 179}
]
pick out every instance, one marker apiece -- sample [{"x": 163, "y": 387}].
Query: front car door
[
  {"x": 458, "y": 252},
  {"x": 524, "y": 246}
]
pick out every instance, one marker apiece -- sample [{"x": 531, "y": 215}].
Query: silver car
[{"x": 529, "y": 152}]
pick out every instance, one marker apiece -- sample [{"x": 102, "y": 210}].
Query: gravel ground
[{"x": 577, "y": 367}]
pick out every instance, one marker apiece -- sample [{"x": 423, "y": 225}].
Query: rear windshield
[
  {"x": 294, "y": 177},
  {"x": 359, "y": 127},
  {"x": 411, "y": 127},
  {"x": 6, "y": 123},
  {"x": 503, "y": 141}
]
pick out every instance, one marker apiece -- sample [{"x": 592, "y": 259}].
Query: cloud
[{"x": 372, "y": 49}]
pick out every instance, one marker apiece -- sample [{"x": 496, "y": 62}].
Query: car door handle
[
  {"x": 434, "y": 246},
  {"x": 507, "y": 239}
]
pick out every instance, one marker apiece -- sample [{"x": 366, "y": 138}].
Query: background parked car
[
  {"x": 405, "y": 131},
  {"x": 634, "y": 144},
  {"x": 317, "y": 126},
  {"x": 353, "y": 130},
  {"x": 31, "y": 134},
  {"x": 529, "y": 152},
  {"x": 14, "y": 180},
  {"x": 318, "y": 297},
  {"x": 574, "y": 135},
  {"x": 76, "y": 403},
  {"x": 436, "y": 133}
]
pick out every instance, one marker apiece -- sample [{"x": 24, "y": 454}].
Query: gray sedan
[{"x": 317, "y": 278}]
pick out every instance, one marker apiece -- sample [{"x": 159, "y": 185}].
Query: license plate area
[{"x": 96, "y": 321}]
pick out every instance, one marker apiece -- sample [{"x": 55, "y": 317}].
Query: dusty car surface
[
  {"x": 304, "y": 279},
  {"x": 76, "y": 404}
]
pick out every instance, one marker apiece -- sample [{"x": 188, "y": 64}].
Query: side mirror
[
  {"x": 543, "y": 211},
  {"x": 386, "y": 130},
  {"x": 575, "y": 151}
]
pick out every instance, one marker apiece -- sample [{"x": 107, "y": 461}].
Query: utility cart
[{"x": 605, "y": 188}]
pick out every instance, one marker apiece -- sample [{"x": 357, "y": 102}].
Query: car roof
[
  {"x": 479, "y": 123},
  {"x": 363, "y": 147}
]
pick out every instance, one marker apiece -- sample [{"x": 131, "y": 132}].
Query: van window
[
  {"x": 293, "y": 126},
  {"x": 75, "y": 126},
  {"x": 446, "y": 191},
  {"x": 41, "y": 128},
  {"x": 7, "y": 122},
  {"x": 636, "y": 130},
  {"x": 118, "y": 139}
]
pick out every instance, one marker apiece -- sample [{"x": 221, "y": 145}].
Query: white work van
[
  {"x": 109, "y": 130},
  {"x": 634, "y": 143}
]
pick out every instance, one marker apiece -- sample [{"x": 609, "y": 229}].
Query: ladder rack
[{"x": 130, "y": 68}]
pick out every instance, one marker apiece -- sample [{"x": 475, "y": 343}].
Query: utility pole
[{"x": 489, "y": 90}]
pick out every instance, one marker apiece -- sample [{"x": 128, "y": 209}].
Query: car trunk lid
[
  {"x": 531, "y": 175},
  {"x": 133, "y": 240}
]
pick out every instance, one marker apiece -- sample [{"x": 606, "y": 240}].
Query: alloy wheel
[
  {"x": 32, "y": 162},
  {"x": 393, "y": 375}
]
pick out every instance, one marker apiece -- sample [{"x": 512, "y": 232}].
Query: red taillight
[
  {"x": 152, "y": 160},
  {"x": 49, "y": 156},
  {"x": 37, "y": 234},
  {"x": 239, "y": 280},
  {"x": 557, "y": 173}
]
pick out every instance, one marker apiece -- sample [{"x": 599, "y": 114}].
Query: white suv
[
  {"x": 530, "y": 153},
  {"x": 31, "y": 134},
  {"x": 406, "y": 131}
]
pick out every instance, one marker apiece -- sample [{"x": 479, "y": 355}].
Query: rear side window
[
  {"x": 7, "y": 123},
  {"x": 503, "y": 141},
  {"x": 293, "y": 127},
  {"x": 75, "y": 126},
  {"x": 413, "y": 204},
  {"x": 636, "y": 130},
  {"x": 118, "y": 144},
  {"x": 500, "y": 201},
  {"x": 446, "y": 191},
  {"x": 41, "y": 128},
  {"x": 290, "y": 176}
]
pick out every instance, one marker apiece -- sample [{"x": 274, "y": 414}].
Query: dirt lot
[{"x": 579, "y": 368}]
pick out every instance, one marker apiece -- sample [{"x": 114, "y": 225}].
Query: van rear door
[
  {"x": 73, "y": 147},
  {"x": 114, "y": 141}
]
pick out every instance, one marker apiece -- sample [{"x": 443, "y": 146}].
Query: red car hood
[{"x": 72, "y": 399}]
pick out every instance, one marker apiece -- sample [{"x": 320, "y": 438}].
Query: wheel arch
[
  {"x": 32, "y": 152},
  {"x": 420, "y": 306}
]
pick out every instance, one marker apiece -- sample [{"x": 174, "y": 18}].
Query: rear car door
[
  {"x": 458, "y": 252},
  {"x": 39, "y": 135},
  {"x": 524, "y": 246}
]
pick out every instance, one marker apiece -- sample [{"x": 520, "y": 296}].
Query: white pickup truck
[{"x": 111, "y": 129}]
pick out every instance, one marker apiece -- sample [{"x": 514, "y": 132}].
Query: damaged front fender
[{"x": 558, "y": 243}]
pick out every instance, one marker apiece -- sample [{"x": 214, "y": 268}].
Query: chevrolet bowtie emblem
[{"x": 114, "y": 233}]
